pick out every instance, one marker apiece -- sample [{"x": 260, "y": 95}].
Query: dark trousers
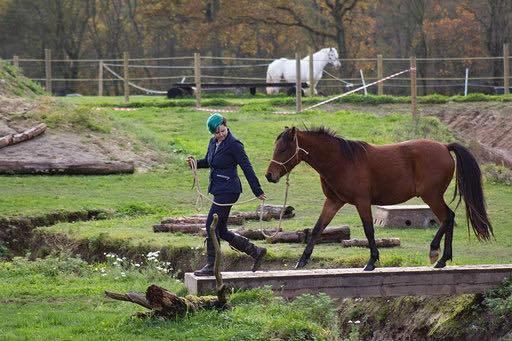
[{"x": 222, "y": 224}]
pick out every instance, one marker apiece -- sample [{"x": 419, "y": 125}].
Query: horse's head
[
  {"x": 286, "y": 155},
  {"x": 332, "y": 56}
]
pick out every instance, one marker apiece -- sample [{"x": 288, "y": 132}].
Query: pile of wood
[{"x": 195, "y": 224}]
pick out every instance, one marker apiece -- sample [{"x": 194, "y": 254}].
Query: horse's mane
[{"x": 350, "y": 149}]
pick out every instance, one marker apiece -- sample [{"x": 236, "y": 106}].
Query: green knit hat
[{"x": 213, "y": 122}]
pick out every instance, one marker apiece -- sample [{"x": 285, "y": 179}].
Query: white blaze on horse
[{"x": 284, "y": 69}]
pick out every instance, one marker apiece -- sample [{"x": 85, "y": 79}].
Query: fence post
[
  {"x": 298, "y": 84},
  {"x": 363, "y": 82},
  {"x": 126, "y": 78},
  {"x": 506, "y": 69},
  {"x": 380, "y": 86},
  {"x": 197, "y": 78},
  {"x": 413, "y": 89},
  {"x": 100, "y": 79},
  {"x": 16, "y": 61},
  {"x": 48, "y": 69},
  {"x": 466, "y": 82},
  {"x": 311, "y": 74}
]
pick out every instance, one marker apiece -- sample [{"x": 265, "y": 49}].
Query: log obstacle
[
  {"x": 405, "y": 216},
  {"x": 66, "y": 168},
  {"x": 344, "y": 283},
  {"x": 24, "y": 136},
  {"x": 381, "y": 242},
  {"x": 329, "y": 235}
]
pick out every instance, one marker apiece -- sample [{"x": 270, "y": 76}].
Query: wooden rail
[{"x": 382, "y": 282}]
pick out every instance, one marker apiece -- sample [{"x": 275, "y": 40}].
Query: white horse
[{"x": 284, "y": 69}]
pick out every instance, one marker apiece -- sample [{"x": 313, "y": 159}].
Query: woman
[{"x": 224, "y": 153}]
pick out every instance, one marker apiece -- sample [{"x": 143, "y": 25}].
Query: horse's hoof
[
  {"x": 441, "y": 264},
  {"x": 434, "y": 255},
  {"x": 301, "y": 263},
  {"x": 369, "y": 267}
]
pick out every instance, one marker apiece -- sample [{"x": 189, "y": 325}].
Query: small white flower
[
  {"x": 137, "y": 264},
  {"x": 357, "y": 322},
  {"x": 350, "y": 321}
]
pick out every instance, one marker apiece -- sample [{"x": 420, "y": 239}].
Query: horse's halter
[{"x": 296, "y": 154}]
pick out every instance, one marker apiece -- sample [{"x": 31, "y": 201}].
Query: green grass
[
  {"x": 218, "y": 100},
  {"x": 176, "y": 132},
  {"x": 62, "y": 298}
]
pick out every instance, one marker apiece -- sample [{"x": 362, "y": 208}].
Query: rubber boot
[
  {"x": 243, "y": 244},
  {"x": 207, "y": 270}
]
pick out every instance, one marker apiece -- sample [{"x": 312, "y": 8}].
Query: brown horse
[{"x": 362, "y": 174}]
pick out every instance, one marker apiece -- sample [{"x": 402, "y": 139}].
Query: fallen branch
[
  {"x": 24, "y": 136},
  {"x": 381, "y": 242},
  {"x": 168, "y": 305}
]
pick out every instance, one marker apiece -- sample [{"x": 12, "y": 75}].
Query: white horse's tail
[{"x": 272, "y": 78}]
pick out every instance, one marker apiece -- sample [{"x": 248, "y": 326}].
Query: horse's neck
[
  {"x": 320, "y": 59},
  {"x": 322, "y": 152}
]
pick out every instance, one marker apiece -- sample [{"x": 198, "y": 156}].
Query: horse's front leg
[
  {"x": 365, "y": 212},
  {"x": 328, "y": 212}
]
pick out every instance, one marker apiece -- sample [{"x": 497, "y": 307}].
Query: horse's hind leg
[
  {"x": 447, "y": 218},
  {"x": 365, "y": 213},
  {"x": 328, "y": 212}
]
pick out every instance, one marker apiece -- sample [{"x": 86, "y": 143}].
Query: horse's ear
[{"x": 293, "y": 133}]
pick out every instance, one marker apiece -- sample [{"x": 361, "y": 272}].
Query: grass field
[{"x": 58, "y": 298}]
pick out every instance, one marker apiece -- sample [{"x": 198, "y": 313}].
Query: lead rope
[{"x": 200, "y": 198}]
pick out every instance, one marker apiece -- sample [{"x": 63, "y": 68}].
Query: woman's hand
[
  {"x": 262, "y": 196},
  {"x": 190, "y": 159}
]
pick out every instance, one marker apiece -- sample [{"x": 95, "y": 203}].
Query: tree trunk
[{"x": 329, "y": 235}]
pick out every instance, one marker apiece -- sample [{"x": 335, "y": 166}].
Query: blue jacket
[{"x": 223, "y": 171}]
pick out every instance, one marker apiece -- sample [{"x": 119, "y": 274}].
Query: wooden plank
[{"x": 382, "y": 282}]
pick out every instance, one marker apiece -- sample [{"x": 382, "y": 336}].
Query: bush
[{"x": 497, "y": 174}]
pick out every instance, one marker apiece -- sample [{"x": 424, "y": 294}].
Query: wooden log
[
  {"x": 253, "y": 215},
  {"x": 329, "y": 235},
  {"x": 24, "y": 136},
  {"x": 66, "y": 168},
  {"x": 255, "y": 234},
  {"x": 288, "y": 237},
  {"x": 183, "y": 228},
  {"x": 275, "y": 210},
  {"x": 381, "y": 242},
  {"x": 201, "y": 219}
]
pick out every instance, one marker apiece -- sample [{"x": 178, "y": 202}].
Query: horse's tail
[{"x": 469, "y": 186}]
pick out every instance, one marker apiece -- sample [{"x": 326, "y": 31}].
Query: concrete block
[{"x": 405, "y": 216}]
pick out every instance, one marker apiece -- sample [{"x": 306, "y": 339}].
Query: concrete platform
[
  {"x": 405, "y": 216},
  {"x": 382, "y": 282}
]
